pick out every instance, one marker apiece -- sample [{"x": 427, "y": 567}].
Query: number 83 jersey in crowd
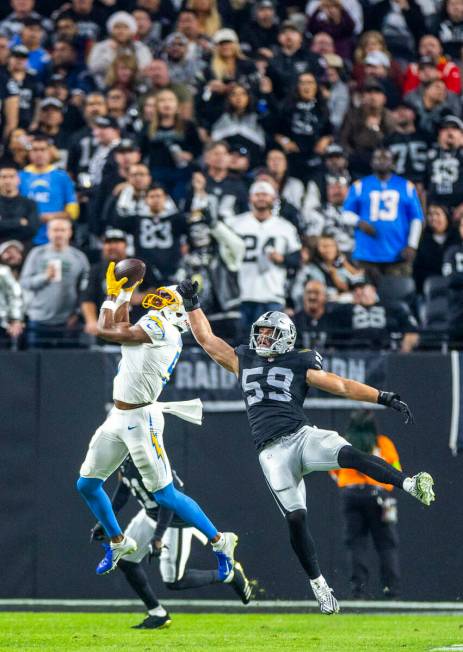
[{"x": 274, "y": 390}]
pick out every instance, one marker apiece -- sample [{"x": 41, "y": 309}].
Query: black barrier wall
[{"x": 52, "y": 402}]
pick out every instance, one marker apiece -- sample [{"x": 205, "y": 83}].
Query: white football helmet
[
  {"x": 282, "y": 338},
  {"x": 168, "y": 302}
]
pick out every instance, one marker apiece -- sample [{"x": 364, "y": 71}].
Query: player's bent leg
[
  {"x": 420, "y": 486},
  {"x": 223, "y": 544},
  {"x": 135, "y": 575}
]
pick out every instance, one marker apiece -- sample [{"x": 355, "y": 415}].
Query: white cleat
[
  {"x": 113, "y": 553},
  {"x": 325, "y": 598},
  {"x": 225, "y": 552},
  {"x": 422, "y": 488}
]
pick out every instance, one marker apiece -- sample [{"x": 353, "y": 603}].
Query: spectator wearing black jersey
[
  {"x": 290, "y": 60},
  {"x": 438, "y": 236},
  {"x": 370, "y": 321},
  {"x": 445, "y": 165},
  {"x": 303, "y": 129},
  {"x": 408, "y": 144},
  {"x": 448, "y": 27},
  {"x": 240, "y": 124},
  {"x": 229, "y": 192},
  {"x": 19, "y": 219},
  {"x": 28, "y": 86},
  {"x": 11, "y": 26},
  {"x": 10, "y": 106},
  {"x": 334, "y": 164},
  {"x": 50, "y": 125},
  {"x": 170, "y": 143},
  {"x": 316, "y": 321},
  {"x": 452, "y": 269},
  {"x": 65, "y": 62},
  {"x": 89, "y": 16},
  {"x": 260, "y": 36},
  {"x": 128, "y": 202},
  {"x": 228, "y": 66},
  {"x": 83, "y": 144}
]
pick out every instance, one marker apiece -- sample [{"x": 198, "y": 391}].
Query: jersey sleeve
[
  {"x": 311, "y": 359},
  {"x": 153, "y": 327}
]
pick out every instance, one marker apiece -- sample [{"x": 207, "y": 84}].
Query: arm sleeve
[
  {"x": 164, "y": 520},
  {"x": 31, "y": 278}
]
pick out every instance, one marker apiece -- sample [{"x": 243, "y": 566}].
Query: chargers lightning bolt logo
[{"x": 155, "y": 442}]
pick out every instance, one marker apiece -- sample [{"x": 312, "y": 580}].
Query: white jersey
[
  {"x": 260, "y": 279},
  {"x": 145, "y": 368}
]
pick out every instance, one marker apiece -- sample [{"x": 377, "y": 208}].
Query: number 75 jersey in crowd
[
  {"x": 390, "y": 206},
  {"x": 274, "y": 390}
]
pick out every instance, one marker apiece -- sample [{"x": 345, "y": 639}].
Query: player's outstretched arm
[
  {"x": 356, "y": 391},
  {"x": 113, "y": 322},
  {"x": 214, "y": 346}
]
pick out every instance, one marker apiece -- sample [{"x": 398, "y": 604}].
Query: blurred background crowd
[{"x": 304, "y": 156}]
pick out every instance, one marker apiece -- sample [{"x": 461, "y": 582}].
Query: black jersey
[
  {"x": 445, "y": 177},
  {"x": 411, "y": 153},
  {"x": 274, "y": 390},
  {"x": 132, "y": 482}
]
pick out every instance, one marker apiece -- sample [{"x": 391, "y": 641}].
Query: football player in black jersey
[
  {"x": 161, "y": 533},
  {"x": 275, "y": 379}
]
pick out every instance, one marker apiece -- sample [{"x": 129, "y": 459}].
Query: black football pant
[{"x": 363, "y": 517}]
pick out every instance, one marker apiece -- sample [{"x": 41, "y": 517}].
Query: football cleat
[
  {"x": 422, "y": 488},
  {"x": 240, "y": 584},
  {"x": 325, "y": 598},
  {"x": 224, "y": 551},
  {"x": 154, "y": 622},
  {"x": 114, "y": 552}
]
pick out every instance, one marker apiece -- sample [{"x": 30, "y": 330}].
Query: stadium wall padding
[{"x": 51, "y": 403}]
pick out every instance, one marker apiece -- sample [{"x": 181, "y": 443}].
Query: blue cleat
[{"x": 114, "y": 552}]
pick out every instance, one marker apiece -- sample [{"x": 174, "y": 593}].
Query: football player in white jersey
[{"x": 150, "y": 350}]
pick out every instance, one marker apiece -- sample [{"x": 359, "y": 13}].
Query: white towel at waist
[{"x": 191, "y": 411}]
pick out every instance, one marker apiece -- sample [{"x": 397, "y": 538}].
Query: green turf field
[{"x": 63, "y": 632}]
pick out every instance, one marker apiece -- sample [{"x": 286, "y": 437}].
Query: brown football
[{"x": 132, "y": 268}]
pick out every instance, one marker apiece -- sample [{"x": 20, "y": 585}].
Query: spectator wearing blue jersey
[
  {"x": 388, "y": 218},
  {"x": 51, "y": 188}
]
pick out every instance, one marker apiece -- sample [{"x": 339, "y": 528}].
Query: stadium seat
[
  {"x": 435, "y": 286},
  {"x": 396, "y": 288},
  {"x": 435, "y": 314}
]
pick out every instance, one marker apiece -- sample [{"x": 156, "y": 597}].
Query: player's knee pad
[{"x": 88, "y": 486}]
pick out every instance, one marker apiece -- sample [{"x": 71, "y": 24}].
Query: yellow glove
[{"x": 113, "y": 286}]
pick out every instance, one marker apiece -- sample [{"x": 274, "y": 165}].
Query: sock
[
  {"x": 157, "y": 611},
  {"x": 91, "y": 489},
  {"x": 193, "y": 579},
  {"x": 115, "y": 544},
  {"x": 138, "y": 580},
  {"x": 408, "y": 484},
  {"x": 302, "y": 542},
  {"x": 219, "y": 544},
  {"x": 186, "y": 508},
  {"x": 351, "y": 458},
  {"x": 318, "y": 582}
]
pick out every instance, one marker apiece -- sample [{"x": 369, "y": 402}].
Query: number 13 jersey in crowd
[
  {"x": 390, "y": 206},
  {"x": 274, "y": 390}
]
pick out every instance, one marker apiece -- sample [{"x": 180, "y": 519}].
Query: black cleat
[
  {"x": 240, "y": 584},
  {"x": 154, "y": 622}
]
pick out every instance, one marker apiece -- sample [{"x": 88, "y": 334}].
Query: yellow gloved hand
[{"x": 113, "y": 286}]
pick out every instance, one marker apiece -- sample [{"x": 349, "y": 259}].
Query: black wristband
[{"x": 386, "y": 398}]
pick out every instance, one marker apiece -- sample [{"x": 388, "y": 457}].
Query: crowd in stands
[{"x": 288, "y": 155}]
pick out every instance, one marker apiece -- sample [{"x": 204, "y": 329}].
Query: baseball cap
[
  {"x": 262, "y": 186},
  {"x": 106, "y": 121},
  {"x": 239, "y": 149},
  {"x": 377, "y": 58},
  {"x": 57, "y": 80},
  {"x": 261, "y": 4},
  {"x": 127, "y": 145},
  {"x": 20, "y": 51},
  {"x": 333, "y": 60},
  {"x": 333, "y": 150},
  {"x": 373, "y": 85},
  {"x": 114, "y": 234},
  {"x": 451, "y": 121},
  {"x": 11, "y": 243},
  {"x": 289, "y": 24},
  {"x": 224, "y": 35},
  {"x": 51, "y": 103},
  {"x": 176, "y": 36}
]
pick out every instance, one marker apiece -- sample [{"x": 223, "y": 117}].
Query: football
[{"x": 133, "y": 268}]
